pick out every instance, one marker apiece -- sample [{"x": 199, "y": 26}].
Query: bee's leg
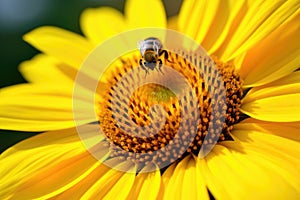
[
  {"x": 160, "y": 65},
  {"x": 166, "y": 55},
  {"x": 146, "y": 72},
  {"x": 156, "y": 65},
  {"x": 143, "y": 66}
]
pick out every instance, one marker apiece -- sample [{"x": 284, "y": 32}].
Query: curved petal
[
  {"x": 284, "y": 148},
  {"x": 238, "y": 62},
  {"x": 287, "y": 85},
  {"x": 64, "y": 45},
  {"x": 98, "y": 24},
  {"x": 227, "y": 16},
  {"x": 238, "y": 167},
  {"x": 196, "y": 17},
  {"x": 113, "y": 184},
  {"x": 212, "y": 181},
  {"x": 165, "y": 179},
  {"x": 277, "y": 101},
  {"x": 274, "y": 57},
  {"x": 185, "y": 182},
  {"x": 282, "y": 152},
  {"x": 146, "y": 185},
  {"x": 44, "y": 165},
  {"x": 262, "y": 18},
  {"x": 209, "y": 22},
  {"x": 78, "y": 190},
  {"x": 31, "y": 107},
  {"x": 284, "y": 108},
  {"x": 47, "y": 70},
  {"x": 289, "y": 130},
  {"x": 149, "y": 13}
]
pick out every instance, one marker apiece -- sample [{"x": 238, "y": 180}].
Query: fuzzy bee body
[{"x": 151, "y": 50}]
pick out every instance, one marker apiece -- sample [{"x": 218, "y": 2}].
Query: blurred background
[{"x": 18, "y": 17}]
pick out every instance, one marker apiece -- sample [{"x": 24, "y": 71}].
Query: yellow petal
[
  {"x": 238, "y": 62},
  {"x": 243, "y": 172},
  {"x": 62, "y": 136},
  {"x": 186, "y": 182},
  {"x": 207, "y": 18},
  {"x": 99, "y": 24},
  {"x": 262, "y": 18},
  {"x": 288, "y": 85},
  {"x": 113, "y": 185},
  {"x": 66, "y": 46},
  {"x": 282, "y": 56},
  {"x": 174, "y": 185},
  {"x": 284, "y": 108},
  {"x": 191, "y": 15},
  {"x": 48, "y": 183},
  {"x": 284, "y": 148},
  {"x": 196, "y": 177},
  {"x": 225, "y": 20},
  {"x": 211, "y": 180},
  {"x": 166, "y": 176},
  {"x": 283, "y": 162},
  {"x": 208, "y": 22},
  {"x": 78, "y": 190},
  {"x": 277, "y": 101},
  {"x": 146, "y": 185},
  {"x": 149, "y": 13},
  {"x": 31, "y": 107},
  {"x": 46, "y": 69},
  {"x": 289, "y": 130},
  {"x": 44, "y": 165}
]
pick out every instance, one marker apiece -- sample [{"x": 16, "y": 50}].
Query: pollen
[{"x": 144, "y": 125}]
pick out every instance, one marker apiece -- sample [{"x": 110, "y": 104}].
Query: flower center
[{"x": 117, "y": 116}]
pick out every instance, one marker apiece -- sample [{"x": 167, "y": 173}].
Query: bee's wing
[
  {"x": 156, "y": 46},
  {"x": 141, "y": 46}
]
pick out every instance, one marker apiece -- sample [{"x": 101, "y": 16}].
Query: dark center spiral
[{"x": 140, "y": 146}]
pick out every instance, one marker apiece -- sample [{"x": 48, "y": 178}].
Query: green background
[{"x": 18, "y": 17}]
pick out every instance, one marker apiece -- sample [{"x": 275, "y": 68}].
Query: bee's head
[{"x": 149, "y": 56}]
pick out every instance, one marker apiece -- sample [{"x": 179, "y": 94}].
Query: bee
[{"x": 151, "y": 50}]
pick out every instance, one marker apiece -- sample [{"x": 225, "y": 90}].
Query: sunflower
[{"x": 255, "y": 48}]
